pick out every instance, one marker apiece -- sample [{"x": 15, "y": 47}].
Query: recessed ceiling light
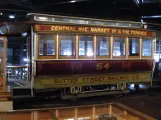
[{"x": 1, "y": 13}]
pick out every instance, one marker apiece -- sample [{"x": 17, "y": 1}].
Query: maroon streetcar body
[{"x": 76, "y": 67}]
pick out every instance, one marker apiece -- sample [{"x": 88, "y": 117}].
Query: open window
[
  {"x": 47, "y": 46},
  {"x": 85, "y": 47}
]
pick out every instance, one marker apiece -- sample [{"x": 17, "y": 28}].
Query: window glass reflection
[
  {"x": 146, "y": 47},
  {"x": 66, "y": 45},
  {"x": 41, "y": 47},
  {"x": 103, "y": 46},
  {"x": 134, "y": 46},
  {"x": 119, "y": 46},
  {"x": 47, "y": 45},
  {"x": 85, "y": 46}
]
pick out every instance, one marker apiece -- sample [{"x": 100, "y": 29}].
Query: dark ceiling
[{"x": 135, "y": 10}]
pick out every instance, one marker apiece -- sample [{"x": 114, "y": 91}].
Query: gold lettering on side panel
[
  {"x": 83, "y": 29},
  {"x": 65, "y": 28},
  {"x": 97, "y": 79},
  {"x": 141, "y": 33},
  {"x": 126, "y": 32},
  {"x": 37, "y": 27},
  {"x": 100, "y": 30}
]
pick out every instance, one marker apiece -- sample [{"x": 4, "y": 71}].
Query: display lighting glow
[
  {"x": 156, "y": 57},
  {"x": 1, "y": 32},
  {"x": 11, "y": 16},
  {"x": 132, "y": 86},
  {"x": 25, "y": 59},
  {"x": 67, "y": 53},
  {"x": 72, "y": 1},
  {"x": 24, "y": 34},
  {"x": 138, "y": 1},
  {"x": 89, "y": 53}
]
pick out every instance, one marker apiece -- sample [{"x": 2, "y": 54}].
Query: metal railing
[{"x": 17, "y": 73}]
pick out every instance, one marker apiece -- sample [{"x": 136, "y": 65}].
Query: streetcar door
[
  {"x": 2, "y": 64},
  {"x": 18, "y": 62}
]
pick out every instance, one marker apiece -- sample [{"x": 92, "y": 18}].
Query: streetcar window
[
  {"x": 134, "y": 46},
  {"x": 85, "y": 46},
  {"x": 66, "y": 45},
  {"x": 119, "y": 46},
  {"x": 146, "y": 47},
  {"x": 46, "y": 45},
  {"x": 103, "y": 46}
]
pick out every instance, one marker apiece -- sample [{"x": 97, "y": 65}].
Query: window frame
[
  {"x": 125, "y": 38},
  {"x": 137, "y": 56},
  {"x": 85, "y": 56},
  {"x": 97, "y": 43},
  {"x": 55, "y": 46},
  {"x": 152, "y": 47},
  {"x": 74, "y": 47}
]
